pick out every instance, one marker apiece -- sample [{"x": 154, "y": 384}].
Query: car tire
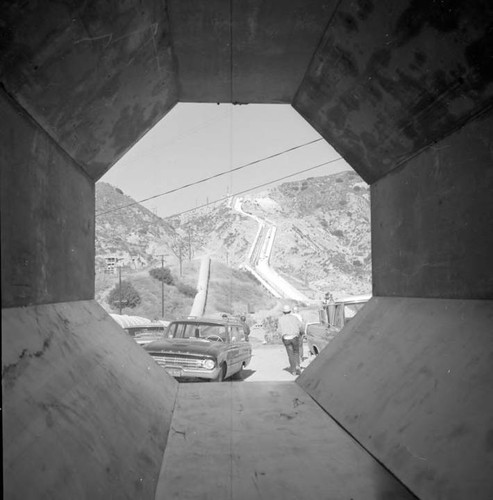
[
  {"x": 239, "y": 374},
  {"x": 222, "y": 374}
]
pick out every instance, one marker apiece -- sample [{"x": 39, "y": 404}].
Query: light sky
[{"x": 195, "y": 141}]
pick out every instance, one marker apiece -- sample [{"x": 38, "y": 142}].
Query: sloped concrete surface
[
  {"x": 264, "y": 440},
  {"x": 86, "y": 412},
  {"x": 411, "y": 380},
  {"x": 391, "y": 78},
  {"x": 430, "y": 239},
  {"x": 47, "y": 206},
  {"x": 96, "y": 76}
]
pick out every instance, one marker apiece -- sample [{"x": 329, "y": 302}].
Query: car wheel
[
  {"x": 315, "y": 351},
  {"x": 222, "y": 373},
  {"x": 239, "y": 374}
]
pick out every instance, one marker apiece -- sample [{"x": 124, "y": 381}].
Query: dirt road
[{"x": 270, "y": 363}]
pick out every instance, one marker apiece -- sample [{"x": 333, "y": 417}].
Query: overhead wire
[
  {"x": 200, "y": 181},
  {"x": 253, "y": 188}
]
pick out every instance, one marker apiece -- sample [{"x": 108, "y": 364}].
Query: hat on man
[{"x": 286, "y": 309}]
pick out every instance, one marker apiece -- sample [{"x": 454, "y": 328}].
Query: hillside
[
  {"x": 133, "y": 234},
  {"x": 236, "y": 292},
  {"x": 176, "y": 304},
  {"x": 138, "y": 237},
  {"x": 323, "y": 232},
  {"x": 219, "y": 231},
  {"x": 322, "y": 242}
]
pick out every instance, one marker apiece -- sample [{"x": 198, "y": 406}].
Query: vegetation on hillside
[
  {"x": 133, "y": 234},
  {"x": 162, "y": 274},
  {"x": 177, "y": 301},
  {"x": 235, "y": 292},
  {"x": 123, "y": 295}
]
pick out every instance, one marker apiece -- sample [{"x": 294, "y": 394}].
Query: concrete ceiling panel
[
  {"x": 96, "y": 77},
  {"x": 392, "y": 77},
  {"x": 245, "y": 51},
  {"x": 200, "y": 33},
  {"x": 273, "y": 43}
]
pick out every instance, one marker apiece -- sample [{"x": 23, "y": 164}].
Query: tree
[
  {"x": 129, "y": 296},
  {"x": 187, "y": 290},
  {"x": 162, "y": 274}
]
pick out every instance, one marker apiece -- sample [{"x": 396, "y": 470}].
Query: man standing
[
  {"x": 246, "y": 328},
  {"x": 296, "y": 314},
  {"x": 290, "y": 329}
]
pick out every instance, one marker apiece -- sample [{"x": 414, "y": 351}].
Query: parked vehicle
[
  {"x": 142, "y": 330},
  {"x": 201, "y": 348},
  {"x": 145, "y": 334},
  {"x": 333, "y": 316}
]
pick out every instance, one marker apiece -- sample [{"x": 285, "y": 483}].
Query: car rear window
[{"x": 197, "y": 330}]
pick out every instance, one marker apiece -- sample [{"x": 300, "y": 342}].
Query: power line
[
  {"x": 209, "y": 178},
  {"x": 254, "y": 187}
]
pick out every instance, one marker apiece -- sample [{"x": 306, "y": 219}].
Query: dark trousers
[{"x": 293, "y": 349}]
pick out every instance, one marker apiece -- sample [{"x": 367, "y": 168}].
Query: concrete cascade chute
[{"x": 258, "y": 260}]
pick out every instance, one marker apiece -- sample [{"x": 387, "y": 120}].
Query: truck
[{"x": 333, "y": 316}]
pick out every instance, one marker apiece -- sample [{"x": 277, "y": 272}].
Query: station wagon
[{"x": 201, "y": 348}]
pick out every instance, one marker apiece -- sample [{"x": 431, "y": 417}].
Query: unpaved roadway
[{"x": 270, "y": 361}]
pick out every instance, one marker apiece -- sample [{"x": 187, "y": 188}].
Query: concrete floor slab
[{"x": 264, "y": 440}]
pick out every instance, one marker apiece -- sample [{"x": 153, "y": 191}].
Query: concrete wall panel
[
  {"x": 47, "y": 231},
  {"x": 411, "y": 380},
  {"x": 392, "y": 77},
  {"x": 95, "y": 75},
  {"x": 245, "y": 54},
  {"x": 86, "y": 412},
  {"x": 432, "y": 232}
]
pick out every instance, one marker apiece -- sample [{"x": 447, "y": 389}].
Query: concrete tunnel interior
[{"x": 403, "y": 90}]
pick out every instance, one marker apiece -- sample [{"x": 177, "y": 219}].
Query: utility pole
[
  {"x": 189, "y": 244},
  {"x": 162, "y": 288},
  {"x": 181, "y": 273},
  {"x": 120, "y": 287}
]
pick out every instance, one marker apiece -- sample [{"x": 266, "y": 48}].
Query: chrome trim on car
[{"x": 178, "y": 361}]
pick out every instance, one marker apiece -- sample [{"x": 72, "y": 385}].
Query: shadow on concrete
[{"x": 246, "y": 373}]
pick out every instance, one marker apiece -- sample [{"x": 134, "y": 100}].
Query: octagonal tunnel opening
[
  {"x": 410, "y": 379},
  {"x": 369, "y": 353},
  {"x": 220, "y": 181}
]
